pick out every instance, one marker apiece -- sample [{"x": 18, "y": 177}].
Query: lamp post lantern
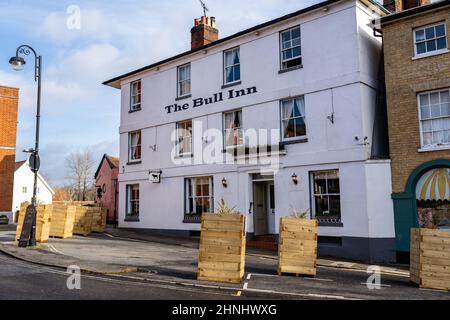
[{"x": 17, "y": 62}]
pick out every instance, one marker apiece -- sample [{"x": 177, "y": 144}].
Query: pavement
[{"x": 132, "y": 256}]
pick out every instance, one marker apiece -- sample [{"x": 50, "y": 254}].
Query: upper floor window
[
  {"x": 435, "y": 118},
  {"x": 232, "y": 65},
  {"x": 293, "y": 118},
  {"x": 134, "y": 146},
  {"x": 430, "y": 39},
  {"x": 184, "y": 138},
  {"x": 291, "y": 49},
  {"x": 184, "y": 80},
  {"x": 24, "y": 189},
  {"x": 135, "y": 94},
  {"x": 233, "y": 128}
]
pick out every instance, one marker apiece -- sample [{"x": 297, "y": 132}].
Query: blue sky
[{"x": 116, "y": 36}]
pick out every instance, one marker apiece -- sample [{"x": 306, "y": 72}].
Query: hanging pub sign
[
  {"x": 155, "y": 176},
  {"x": 216, "y": 97}
]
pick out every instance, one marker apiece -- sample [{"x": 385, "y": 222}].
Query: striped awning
[{"x": 434, "y": 185}]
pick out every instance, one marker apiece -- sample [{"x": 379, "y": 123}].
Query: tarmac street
[{"x": 117, "y": 267}]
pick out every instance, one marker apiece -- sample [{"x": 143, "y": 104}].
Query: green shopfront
[{"x": 425, "y": 202}]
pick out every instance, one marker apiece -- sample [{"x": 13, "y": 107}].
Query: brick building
[
  {"x": 417, "y": 64},
  {"x": 8, "y": 126},
  {"x": 106, "y": 179}
]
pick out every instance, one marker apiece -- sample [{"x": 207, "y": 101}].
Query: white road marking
[
  {"x": 52, "y": 248},
  {"x": 245, "y": 287},
  {"x": 249, "y": 276},
  {"x": 311, "y": 295},
  {"x": 381, "y": 285},
  {"x": 318, "y": 279},
  {"x": 391, "y": 273}
]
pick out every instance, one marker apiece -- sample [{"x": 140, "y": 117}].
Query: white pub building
[{"x": 284, "y": 117}]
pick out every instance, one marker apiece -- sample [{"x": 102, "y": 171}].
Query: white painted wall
[
  {"x": 23, "y": 177},
  {"x": 339, "y": 74}
]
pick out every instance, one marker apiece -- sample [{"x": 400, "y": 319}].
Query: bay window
[
  {"x": 198, "y": 197},
  {"x": 326, "y": 200}
]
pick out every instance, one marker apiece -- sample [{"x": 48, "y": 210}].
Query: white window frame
[
  {"x": 445, "y": 145},
  {"x": 181, "y": 135},
  {"x": 194, "y": 196},
  {"x": 225, "y": 67},
  {"x": 24, "y": 189},
  {"x": 187, "y": 80},
  {"x": 282, "y": 60},
  {"x": 283, "y": 119},
  {"x": 132, "y": 202},
  {"x": 135, "y": 106},
  {"x": 224, "y": 131},
  {"x": 434, "y": 52},
  {"x": 131, "y": 147},
  {"x": 313, "y": 194}
]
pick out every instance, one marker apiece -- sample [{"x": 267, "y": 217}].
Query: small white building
[
  {"x": 293, "y": 105},
  {"x": 23, "y": 187}
]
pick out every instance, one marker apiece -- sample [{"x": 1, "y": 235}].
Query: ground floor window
[
  {"x": 132, "y": 200},
  {"x": 326, "y": 202},
  {"x": 198, "y": 197}
]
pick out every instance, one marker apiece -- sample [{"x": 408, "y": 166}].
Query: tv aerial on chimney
[{"x": 205, "y": 8}]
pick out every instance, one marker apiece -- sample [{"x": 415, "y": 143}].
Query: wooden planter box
[
  {"x": 63, "y": 218},
  {"x": 99, "y": 216},
  {"x": 430, "y": 258},
  {"x": 43, "y": 222},
  {"x": 83, "y": 220},
  {"x": 222, "y": 248},
  {"x": 297, "y": 249}
]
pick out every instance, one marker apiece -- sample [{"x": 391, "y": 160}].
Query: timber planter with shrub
[
  {"x": 297, "y": 248},
  {"x": 222, "y": 246},
  {"x": 430, "y": 258}
]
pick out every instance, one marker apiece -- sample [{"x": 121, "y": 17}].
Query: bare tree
[{"x": 80, "y": 167}]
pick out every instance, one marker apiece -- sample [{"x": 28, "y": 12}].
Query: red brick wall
[
  {"x": 9, "y": 98},
  {"x": 106, "y": 177}
]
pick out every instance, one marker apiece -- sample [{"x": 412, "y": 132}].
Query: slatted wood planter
[
  {"x": 43, "y": 222},
  {"x": 63, "y": 218},
  {"x": 83, "y": 220},
  {"x": 99, "y": 219},
  {"x": 430, "y": 258},
  {"x": 222, "y": 248},
  {"x": 297, "y": 248}
]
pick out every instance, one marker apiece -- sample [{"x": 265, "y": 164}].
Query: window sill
[
  {"x": 430, "y": 54},
  {"x": 132, "y": 163},
  {"x": 293, "y": 141},
  {"x": 434, "y": 148},
  {"x": 132, "y": 219},
  {"x": 231, "y": 84},
  {"x": 184, "y": 156},
  {"x": 331, "y": 224},
  {"x": 300, "y": 66},
  {"x": 135, "y": 110},
  {"x": 183, "y": 97}
]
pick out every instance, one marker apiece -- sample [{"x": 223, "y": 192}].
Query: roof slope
[{"x": 113, "y": 162}]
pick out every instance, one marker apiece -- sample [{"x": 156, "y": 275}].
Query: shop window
[{"x": 433, "y": 199}]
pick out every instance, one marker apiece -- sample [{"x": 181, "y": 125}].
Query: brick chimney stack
[
  {"x": 204, "y": 32},
  {"x": 401, "y": 5}
]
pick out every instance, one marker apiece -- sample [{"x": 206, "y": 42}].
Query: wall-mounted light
[
  {"x": 294, "y": 178},
  {"x": 224, "y": 182}
]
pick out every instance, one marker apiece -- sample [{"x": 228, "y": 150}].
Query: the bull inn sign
[{"x": 216, "y": 97}]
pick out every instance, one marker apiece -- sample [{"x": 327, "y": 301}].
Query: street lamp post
[{"x": 17, "y": 63}]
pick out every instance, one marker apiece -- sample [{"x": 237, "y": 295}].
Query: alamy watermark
[{"x": 74, "y": 280}]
